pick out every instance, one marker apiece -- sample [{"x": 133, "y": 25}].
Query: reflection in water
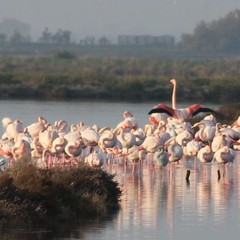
[{"x": 154, "y": 205}]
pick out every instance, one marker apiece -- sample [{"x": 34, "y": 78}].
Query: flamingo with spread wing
[{"x": 179, "y": 113}]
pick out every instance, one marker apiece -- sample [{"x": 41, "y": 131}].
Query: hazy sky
[{"x": 115, "y": 17}]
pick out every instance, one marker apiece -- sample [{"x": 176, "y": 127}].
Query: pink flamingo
[{"x": 178, "y": 113}]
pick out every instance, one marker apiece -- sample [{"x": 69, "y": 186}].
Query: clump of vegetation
[
  {"x": 228, "y": 113},
  {"x": 64, "y": 54},
  {"x": 29, "y": 194}
]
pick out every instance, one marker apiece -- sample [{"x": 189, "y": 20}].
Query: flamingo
[
  {"x": 183, "y": 113},
  {"x": 151, "y": 143},
  {"x": 129, "y": 121},
  {"x": 95, "y": 159},
  {"x": 161, "y": 158},
  {"x": 175, "y": 151},
  {"x": 13, "y": 129},
  {"x": 74, "y": 149},
  {"x": 206, "y": 131},
  {"x": 21, "y": 149},
  {"x": 134, "y": 155},
  {"x": 35, "y": 128},
  {"x": 224, "y": 156},
  {"x": 155, "y": 118},
  {"x": 90, "y": 137},
  {"x": 174, "y": 83},
  {"x": 205, "y": 155},
  {"x": 6, "y": 121},
  {"x": 58, "y": 144},
  {"x": 106, "y": 140},
  {"x": 178, "y": 113},
  {"x": 192, "y": 148},
  {"x": 139, "y": 136},
  {"x": 61, "y": 127},
  {"x": 184, "y": 138},
  {"x": 47, "y": 136}
]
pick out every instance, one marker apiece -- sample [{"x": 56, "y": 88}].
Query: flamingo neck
[{"x": 173, "y": 81}]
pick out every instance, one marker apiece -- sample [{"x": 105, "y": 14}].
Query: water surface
[{"x": 154, "y": 204}]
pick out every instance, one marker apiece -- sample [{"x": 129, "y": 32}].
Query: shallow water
[{"x": 154, "y": 205}]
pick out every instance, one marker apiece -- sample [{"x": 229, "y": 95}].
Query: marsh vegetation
[
  {"x": 65, "y": 77},
  {"x": 29, "y": 195}
]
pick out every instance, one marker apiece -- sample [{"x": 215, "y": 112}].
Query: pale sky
[{"x": 115, "y": 17}]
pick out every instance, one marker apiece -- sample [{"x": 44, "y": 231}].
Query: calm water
[{"x": 154, "y": 205}]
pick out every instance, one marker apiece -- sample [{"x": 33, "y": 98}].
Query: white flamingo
[
  {"x": 205, "y": 155},
  {"x": 224, "y": 156},
  {"x": 134, "y": 156},
  {"x": 13, "y": 129},
  {"x": 175, "y": 151},
  {"x": 206, "y": 131},
  {"x": 46, "y": 137},
  {"x": 151, "y": 143},
  {"x": 128, "y": 122},
  {"x": 35, "y": 128}
]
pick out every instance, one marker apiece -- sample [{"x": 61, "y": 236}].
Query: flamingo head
[
  {"x": 173, "y": 81},
  {"x": 237, "y": 122}
]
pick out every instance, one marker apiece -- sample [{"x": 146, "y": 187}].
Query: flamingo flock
[
  {"x": 165, "y": 140},
  {"x": 61, "y": 145}
]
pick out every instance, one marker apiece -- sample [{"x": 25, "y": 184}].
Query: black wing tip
[
  {"x": 204, "y": 109},
  {"x": 160, "y": 110},
  {"x": 151, "y": 111}
]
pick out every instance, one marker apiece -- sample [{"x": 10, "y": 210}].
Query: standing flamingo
[
  {"x": 134, "y": 155},
  {"x": 224, "y": 156},
  {"x": 178, "y": 113},
  {"x": 160, "y": 157},
  {"x": 205, "y": 155}
]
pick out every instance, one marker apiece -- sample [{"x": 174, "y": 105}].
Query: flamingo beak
[
  {"x": 140, "y": 148},
  {"x": 153, "y": 120}
]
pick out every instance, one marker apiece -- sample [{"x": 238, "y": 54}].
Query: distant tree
[
  {"x": 89, "y": 40},
  {"x": 104, "y": 41},
  {"x": 57, "y": 37},
  {"x": 46, "y": 36},
  {"x": 61, "y": 36},
  {"x": 17, "y": 37},
  {"x": 222, "y": 35},
  {"x": 3, "y": 37},
  {"x": 66, "y": 37}
]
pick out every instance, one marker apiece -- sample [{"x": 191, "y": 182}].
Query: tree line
[
  {"x": 221, "y": 35},
  {"x": 218, "y": 36}
]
